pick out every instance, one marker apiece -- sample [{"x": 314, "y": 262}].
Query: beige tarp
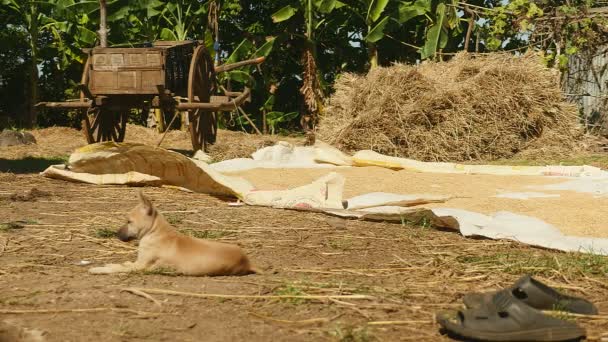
[{"x": 133, "y": 164}]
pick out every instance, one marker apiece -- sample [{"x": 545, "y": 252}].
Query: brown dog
[{"x": 161, "y": 246}]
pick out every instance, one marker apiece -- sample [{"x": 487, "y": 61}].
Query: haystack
[{"x": 470, "y": 108}]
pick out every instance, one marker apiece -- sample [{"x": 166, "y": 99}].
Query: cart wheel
[
  {"x": 85, "y": 77},
  {"x": 201, "y": 80},
  {"x": 102, "y": 125},
  {"x": 84, "y": 113},
  {"x": 213, "y": 127}
]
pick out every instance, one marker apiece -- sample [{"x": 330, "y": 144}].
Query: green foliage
[
  {"x": 6, "y": 227},
  {"x": 182, "y": 19},
  {"x": 557, "y": 28},
  {"x": 207, "y": 234},
  {"x": 291, "y": 290},
  {"x": 284, "y": 14},
  {"x": 275, "y": 119},
  {"x": 571, "y": 265},
  {"x": 351, "y": 334},
  {"x": 105, "y": 233},
  {"x": 41, "y": 43}
]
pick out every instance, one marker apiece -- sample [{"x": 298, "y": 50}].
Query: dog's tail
[{"x": 254, "y": 270}]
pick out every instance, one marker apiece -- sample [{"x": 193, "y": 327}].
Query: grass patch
[
  {"x": 421, "y": 222},
  {"x": 206, "y": 234},
  {"x": 291, "y": 290},
  {"x": 14, "y": 225},
  {"x": 517, "y": 263},
  {"x": 339, "y": 244},
  {"x": 174, "y": 219},
  {"x": 24, "y": 299},
  {"x": 351, "y": 334},
  {"x": 30, "y": 164},
  {"x": 105, "y": 233}
]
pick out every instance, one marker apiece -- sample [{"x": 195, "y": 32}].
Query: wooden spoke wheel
[
  {"x": 85, "y": 77},
  {"x": 103, "y": 125},
  {"x": 201, "y": 81}
]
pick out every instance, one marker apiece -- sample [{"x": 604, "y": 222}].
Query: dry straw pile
[{"x": 470, "y": 108}]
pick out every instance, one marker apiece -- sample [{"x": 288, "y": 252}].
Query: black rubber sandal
[
  {"x": 537, "y": 295},
  {"x": 509, "y": 319}
]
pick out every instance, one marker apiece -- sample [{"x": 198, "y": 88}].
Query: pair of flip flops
[{"x": 515, "y": 314}]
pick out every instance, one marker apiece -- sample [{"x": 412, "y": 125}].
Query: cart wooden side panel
[{"x": 134, "y": 71}]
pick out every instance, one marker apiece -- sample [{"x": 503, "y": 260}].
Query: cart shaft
[
  {"x": 217, "y": 107},
  {"x": 68, "y": 105}
]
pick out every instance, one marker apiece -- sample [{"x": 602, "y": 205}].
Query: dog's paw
[{"x": 100, "y": 270}]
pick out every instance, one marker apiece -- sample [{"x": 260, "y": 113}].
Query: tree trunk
[
  {"x": 32, "y": 117},
  {"x": 471, "y": 24},
  {"x": 103, "y": 31},
  {"x": 373, "y": 55},
  {"x": 558, "y": 53},
  {"x": 311, "y": 87}
]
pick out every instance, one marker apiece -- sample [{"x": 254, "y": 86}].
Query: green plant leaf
[
  {"x": 376, "y": 8},
  {"x": 266, "y": 48},
  {"x": 269, "y": 103},
  {"x": 167, "y": 34},
  {"x": 87, "y": 36},
  {"x": 119, "y": 14},
  {"x": 273, "y": 119},
  {"x": 326, "y": 6},
  {"x": 239, "y": 76},
  {"x": 152, "y": 12},
  {"x": 284, "y": 14},
  {"x": 433, "y": 35},
  {"x": 377, "y": 33},
  {"x": 240, "y": 52},
  {"x": 407, "y": 10},
  {"x": 443, "y": 38}
]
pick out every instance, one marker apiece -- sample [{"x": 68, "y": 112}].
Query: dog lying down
[{"x": 161, "y": 246}]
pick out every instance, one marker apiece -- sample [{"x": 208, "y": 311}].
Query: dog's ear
[{"x": 146, "y": 203}]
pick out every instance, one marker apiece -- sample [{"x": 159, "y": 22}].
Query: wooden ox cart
[{"x": 166, "y": 75}]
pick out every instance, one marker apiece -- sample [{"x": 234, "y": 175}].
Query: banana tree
[
  {"x": 134, "y": 21},
  {"x": 442, "y": 22},
  {"x": 184, "y": 19},
  {"x": 378, "y": 17},
  {"x": 315, "y": 13},
  {"x": 28, "y": 13},
  {"x": 48, "y": 17}
]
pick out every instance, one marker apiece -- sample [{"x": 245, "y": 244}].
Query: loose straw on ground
[
  {"x": 142, "y": 294},
  {"x": 310, "y": 321},
  {"x": 398, "y": 322},
  {"x": 229, "y": 296},
  {"x": 575, "y": 315},
  {"x": 86, "y": 310}
]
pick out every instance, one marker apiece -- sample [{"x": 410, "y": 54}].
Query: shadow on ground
[
  {"x": 187, "y": 153},
  {"x": 29, "y": 164}
]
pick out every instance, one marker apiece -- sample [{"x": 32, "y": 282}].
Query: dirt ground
[
  {"x": 59, "y": 142},
  {"x": 403, "y": 274}
]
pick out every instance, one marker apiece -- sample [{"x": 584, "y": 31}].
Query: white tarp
[
  {"x": 285, "y": 155},
  {"x": 525, "y": 195},
  {"x": 521, "y": 228},
  {"x": 133, "y": 164},
  {"x": 597, "y": 186},
  {"x": 371, "y": 158}
]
